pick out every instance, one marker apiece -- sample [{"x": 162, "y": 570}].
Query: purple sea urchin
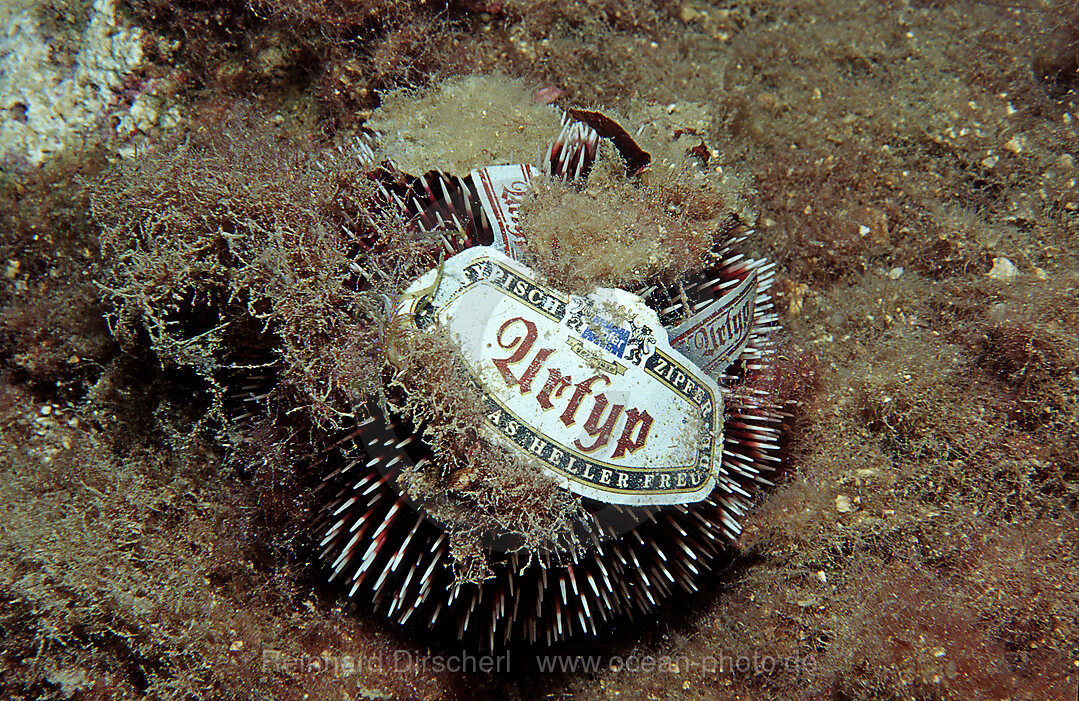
[{"x": 449, "y": 552}]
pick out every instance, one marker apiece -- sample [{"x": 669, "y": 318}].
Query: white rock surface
[
  {"x": 46, "y": 102},
  {"x": 1003, "y": 270}
]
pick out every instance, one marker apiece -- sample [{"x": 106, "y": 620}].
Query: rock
[
  {"x": 56, "y": 103},
  {"x": 1003, "y": 270}
]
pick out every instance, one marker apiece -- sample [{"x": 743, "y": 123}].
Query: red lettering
[
  {"x": 604, "y": 416},
  {"x": 626, "y": 442},
  {"x": 602, "y": 433},
  {"x": 579, "y": 391},
  {"x": 556, "y": 383},
  {"x": 523, "y": 345}
]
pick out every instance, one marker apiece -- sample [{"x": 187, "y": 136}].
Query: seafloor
[{"x": 914, "y": 170}]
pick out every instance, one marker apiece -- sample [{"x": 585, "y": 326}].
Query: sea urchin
[{"x": 545, "y": 462}]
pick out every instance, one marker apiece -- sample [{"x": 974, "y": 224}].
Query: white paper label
[
  {"x": 714, "y": 337},
  {"x": 589, "y": 386},
  {"x": 501, "y": 189}
]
